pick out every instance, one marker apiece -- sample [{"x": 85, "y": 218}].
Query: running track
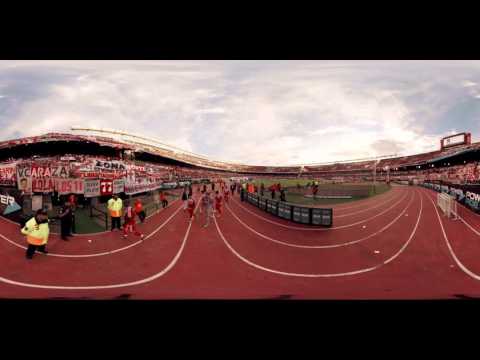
[{"x": 394, "y": 246}]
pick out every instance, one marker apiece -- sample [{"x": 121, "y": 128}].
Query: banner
[
  {"x": 118, "y": 186},
  {"x": 91, "y": 188},
  {"x": 168, "y": 185},
  {"x": 106, "y": 187},
  {"x": 8, "y": 174},
  {"x": 131, "y": 189},
  {"x": 48, "y": 170},
  {"x": 44, "y": 185},
  {"x": 110, "y": 165},
  {"x": 25, "y": 185},
  {"x": 69, "y": 186},
  {"x": 468, "y": 195},
  {"x": 37, "y": 202}
]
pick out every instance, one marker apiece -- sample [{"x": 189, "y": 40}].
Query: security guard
[
  {"x": 36, "y": 230},
  {"x": 115, "y": 206}
]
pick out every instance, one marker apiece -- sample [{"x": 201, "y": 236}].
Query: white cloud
[{"x": 468, "y": 83}]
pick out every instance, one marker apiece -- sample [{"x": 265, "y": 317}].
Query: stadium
[{"x": 387, "y": 227}]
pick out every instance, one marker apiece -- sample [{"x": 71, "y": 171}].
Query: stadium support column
[{"x": 374, "y": 175}]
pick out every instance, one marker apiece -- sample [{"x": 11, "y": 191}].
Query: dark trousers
[
  {"x": 115, "y": 223},
  {"x": 164, "y": 203},
  {"x": 32, "y": 248},
  {"x": 142, "y": 216},
  {"x": 65, "y": 229}
]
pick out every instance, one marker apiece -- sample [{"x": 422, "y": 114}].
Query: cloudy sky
[{"x": 254, "y": 112}]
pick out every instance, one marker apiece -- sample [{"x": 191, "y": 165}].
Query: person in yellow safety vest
[
  {"x": 115, "y": 206},
  {"x": 36, "y": 229}
]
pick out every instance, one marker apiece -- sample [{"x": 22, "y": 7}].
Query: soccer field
[{"x": 380, "y": 188}]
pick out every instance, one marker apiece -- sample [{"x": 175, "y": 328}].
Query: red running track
[{"x": 393, "y": 246}]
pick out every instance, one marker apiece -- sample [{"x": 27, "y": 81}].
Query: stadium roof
[{"x": 140, "y": 144}]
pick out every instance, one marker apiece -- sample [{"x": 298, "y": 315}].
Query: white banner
[
  {"x": 49, "y": 170},
  {"x": 131, "y": 189},
  {"x": 37, "y": 202},
  {"x": 91, "y": 187},
  {"x": 118, "y": 186},
  {"x": 69, "y": 186},
  {"x": 110, "y": 165}
]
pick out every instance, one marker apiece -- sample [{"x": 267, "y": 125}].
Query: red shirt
[
  {"x": 138, "y": 206},
  {"x": 191, "y": 204},
  {"x": 218, "y": 199}
]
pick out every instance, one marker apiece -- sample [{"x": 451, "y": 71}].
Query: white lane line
[
  {"x": 368, "y": 208},
  {"x": 321, "y": 246},
  {"x": 113, "y": 286},
  {"x": 356, "y": 272},
  {"x": 101, "y": 253},
  {"x": 360, "y": 203},
  {"x": 323, "y": 229},
  {"x": 452, "y": 253}
]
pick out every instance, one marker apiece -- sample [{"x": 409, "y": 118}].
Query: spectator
[
  {"x": 163, "y": 199},
  {"x": 185, "y": 199},
  {"x": 66, "y": 220}
]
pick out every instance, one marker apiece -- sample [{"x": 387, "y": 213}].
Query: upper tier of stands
[{"x": 208, "y": 165}]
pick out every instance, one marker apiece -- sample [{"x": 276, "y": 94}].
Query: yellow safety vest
[
  {"x": 115, "y": 207},
  {"x": 36, "y": 237}
]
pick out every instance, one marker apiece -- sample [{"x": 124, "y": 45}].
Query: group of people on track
[
  {"x": 36, "y": 229},
  {"x": 211, "y": 202}
]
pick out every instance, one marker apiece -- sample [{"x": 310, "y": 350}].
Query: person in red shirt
[
  {"x": 72, "y": 199},
  {"x": 139, "y": 210},
  {"x": 191, "y": 207},
  {"x": 163, "y": 199},
  {"x": 218, "y": 203},
  {"x": 130, "y": 223}
]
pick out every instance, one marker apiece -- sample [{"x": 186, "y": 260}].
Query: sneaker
[
  {"x": 141, "y": 236},
  {"x": 125, "y": 236}
]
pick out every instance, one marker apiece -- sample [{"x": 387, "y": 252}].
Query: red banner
[
  {"x": 106, "y": 187},
  {"x": 8, "y": 174},
  {"x": 44, "y": 185}
]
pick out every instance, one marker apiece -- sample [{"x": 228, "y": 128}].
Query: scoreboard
[{"x": 455, "y": 140}]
